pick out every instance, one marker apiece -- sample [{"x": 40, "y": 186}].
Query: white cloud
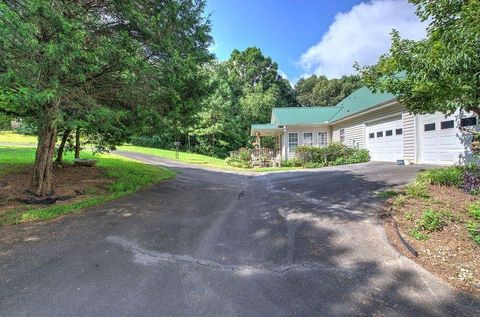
[{"x": 361, "y": 35}]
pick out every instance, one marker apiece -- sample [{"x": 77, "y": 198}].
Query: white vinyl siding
[
  {"x": 308, "y": 138},
  {"x": 409, "y": 143}
]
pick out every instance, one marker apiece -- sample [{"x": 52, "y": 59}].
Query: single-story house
[{"x": 377, "y": 122}]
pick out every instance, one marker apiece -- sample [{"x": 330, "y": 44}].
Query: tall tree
[
  {"x": 440, "y": 73},
  {"x": 321, "y": 91},
  {"x": 121, "y": 56}
]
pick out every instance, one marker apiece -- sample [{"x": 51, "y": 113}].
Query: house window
[
  {"x": 371, "y": 135},
  {"x": 322, "y": 139},
  {"x": 308, "y": 138},
  {"x": 429, "y": 127},
  {"x": 466, "y": 122},
  {"x": 388, "y": 133},
  {"x": 447, "y": 124},
  {"x": 380, "y": 134},
  {"x": 342, "y": 135},
  {"x": 292, "y": 142},
  {"x": 398, "y": 131}
]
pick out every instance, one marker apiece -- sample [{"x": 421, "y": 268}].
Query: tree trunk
[
  {"x": 41, "y": 182},
  {"x": 61, "y": 147},
  {"x": 77, "y": 144}
]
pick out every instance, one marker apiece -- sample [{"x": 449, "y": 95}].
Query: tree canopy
[
  {"x": 98, "y": 61},
  {"x": 321, "y": 91},
  {"x": 440, "y": 73}
]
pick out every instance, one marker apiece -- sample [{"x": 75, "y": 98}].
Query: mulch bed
[
  {"x": 449, "y": 253},
  {"x": 69, "y": 184}
]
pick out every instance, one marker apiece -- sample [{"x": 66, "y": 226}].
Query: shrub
[
  {"x": 333, "y": 154},
  {"x": 474, "y": 210},
  {"x": 450, "y": 176},
  {"x": 242, "y": 160},
  {"x": 292, "y": 163},
  {"x": 471, "y": 181},
  {"x": 432, "y": 221},
  {"x": 473, "y": 229},
  {"x": 417, "y": 189}
]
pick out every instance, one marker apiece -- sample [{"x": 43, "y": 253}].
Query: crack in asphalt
[{"x": 150, "y": 257}]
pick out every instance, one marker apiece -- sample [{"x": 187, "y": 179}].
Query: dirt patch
[
  {"x": 69, "y": 184},
  {"x": 449, "y": 253}
]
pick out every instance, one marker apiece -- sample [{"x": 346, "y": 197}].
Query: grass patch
[
  {"x": 417, "y": 234},
  {"x": 13, "y": 137},
  {"x": 447, "y": 176},
  {"x": 198, "y": 159},
  {"x": 128, "y": 176},
  {"x": 186, "y": 157},
  {"x": 387, "y": 194},
  {"x": 474, "y": 210},
  {"x": 417, "y": 189}
]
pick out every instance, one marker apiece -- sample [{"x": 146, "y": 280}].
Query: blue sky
[{"x": 311, "y": 37}]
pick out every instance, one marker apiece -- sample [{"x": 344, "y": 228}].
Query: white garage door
[
  {"x": 385, "y": 140},
  {"x": 441, "y": 142}
]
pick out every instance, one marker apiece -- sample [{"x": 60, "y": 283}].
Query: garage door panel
[
  {"x": 442, "y": 146},
  {"x": 386, "y": 148}
]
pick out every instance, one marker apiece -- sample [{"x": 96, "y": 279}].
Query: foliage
[
  {"x": 332, "y": 154},
  {"x": 471, "y": 181},
  {"x": 474, "y": 210},
  {"x": 155, "y": 141},
  {"x": 321, "y": 91},
  {"x": 5, "y": 122},
  {"x": 63, "y": 64},
  {"x": 431, "y": 221},
  {"x": 417, "y": 189},
  {"x": 241, "y": 160},
  {"x": 441, "y": 72},
  {"x": 388, "y": 194},
  {"x": 473, "y": 229},
  {"x": 448, "y": 176},
  {"x": 127, "y": 176},
  {"x": 417, "y": 234},
  {"x": 292, "y": 163}
]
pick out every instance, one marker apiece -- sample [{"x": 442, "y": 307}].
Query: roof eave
[{"x": 386, "y": 103}]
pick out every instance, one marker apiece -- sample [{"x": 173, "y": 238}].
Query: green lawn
[
  {"x": 186, "y": 157},
  {"x": 198, "y": 159},
  {"x": 128, "y": 176},
  {"x": 16, "y": 138}
]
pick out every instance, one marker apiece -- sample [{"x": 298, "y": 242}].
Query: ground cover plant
[
  {"x": 439, "y": 214},
  {"x": 116, "y": 177}
]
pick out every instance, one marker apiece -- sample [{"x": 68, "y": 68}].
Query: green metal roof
[
  {"x": 358, "y": 101},
  {"x": 264, "y": 126},
  {"x": 302, "y": 115}
]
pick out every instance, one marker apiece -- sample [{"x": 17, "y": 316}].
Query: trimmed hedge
[{"x": 333, "y": 154}]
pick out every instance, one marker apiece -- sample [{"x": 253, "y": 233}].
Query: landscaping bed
[{"x": 439, "y": 216}]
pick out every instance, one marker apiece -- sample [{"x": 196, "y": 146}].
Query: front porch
[{"x": 261, "y": 155}]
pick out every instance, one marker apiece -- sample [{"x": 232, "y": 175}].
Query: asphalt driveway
[{"x": 212, "y": 243}]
